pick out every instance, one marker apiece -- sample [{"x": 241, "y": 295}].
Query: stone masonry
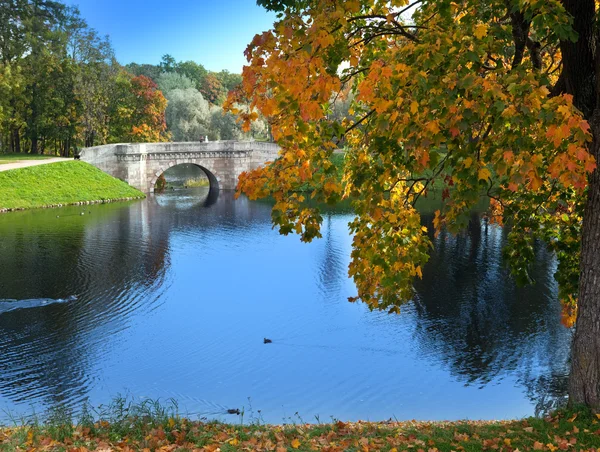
[{"x": 141, "y": 164}]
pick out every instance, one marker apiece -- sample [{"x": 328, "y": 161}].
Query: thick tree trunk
[
  {"x": 580, "y": 77},
  {"x": 584, "y": 381}
]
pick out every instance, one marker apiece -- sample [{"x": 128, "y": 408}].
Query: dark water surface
[{"x": 176, "y": 293}]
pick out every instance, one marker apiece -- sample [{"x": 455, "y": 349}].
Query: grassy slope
[
  {"x": 148, "y": 428},
  {"x": 59, "y": 183},
  {"x": 11, "y": 158}
]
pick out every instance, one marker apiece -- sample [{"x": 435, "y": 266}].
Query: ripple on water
[{"x": 177, "y": 292}]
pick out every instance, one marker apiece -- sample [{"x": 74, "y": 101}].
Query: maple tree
[
  {"x": 138, "y": 111},
  {"x": 465, "y": 98}
]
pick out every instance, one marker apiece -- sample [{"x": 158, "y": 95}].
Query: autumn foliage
[
  {"x": 562, "y": 431},
  {"x": 140, "y": 112},
  {"x": 449, "y": 102}
]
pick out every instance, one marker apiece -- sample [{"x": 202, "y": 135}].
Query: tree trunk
[
  {"x": 584, "y": 381},
  {"x": 15, "y": 140},
  {"x": 580, "y": 77}
]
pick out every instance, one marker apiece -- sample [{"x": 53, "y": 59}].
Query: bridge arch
[{"x": 213, "y": 179}]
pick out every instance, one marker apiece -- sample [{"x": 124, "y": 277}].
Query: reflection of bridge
[{"x": 140, "y": 164}]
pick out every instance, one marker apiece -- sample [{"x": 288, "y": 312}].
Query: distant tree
[
  {"x": 147, "y": 70},
  {"x": 188, "y": 115},
  {"x": 44, "y": 39},
  {"x": 137, "y": 110},
  {"x": 168, "y": 63},
  {"x": 213, "y": 90},
  {"x": 228, "y": 80},
  {"x": 94, "y": 79},
  {"x": 225, "y": 125},
  {"x": 169, "y": 81},
  {"x": 194, "y": 71}
]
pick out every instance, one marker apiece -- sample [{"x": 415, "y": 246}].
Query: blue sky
[{"x": 212, "y": 33}]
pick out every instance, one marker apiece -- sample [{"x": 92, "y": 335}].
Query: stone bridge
[{"x": 141, "y": 164}]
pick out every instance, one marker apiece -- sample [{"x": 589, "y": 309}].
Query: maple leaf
[
  {"x": 481, "y": 31},
  {"x": 484, "y": 174}
]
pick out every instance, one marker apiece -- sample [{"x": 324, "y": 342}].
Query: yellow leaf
[
  {"x": 295, "y": 444},
  {"x": 484, "y": 174},
  {"x": 481, "y": 30},
  {"x": 414, "y": 107},
  {"x": 468, "y": 162}
]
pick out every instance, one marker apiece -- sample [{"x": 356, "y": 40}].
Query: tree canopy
[
  {"x": 59, "y": 82},
  {"x": 458, "y": 99}
]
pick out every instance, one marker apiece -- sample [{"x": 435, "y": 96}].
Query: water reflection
[
  {"x": 488, "y": 328},
  {"x": 176, "y": 293}
]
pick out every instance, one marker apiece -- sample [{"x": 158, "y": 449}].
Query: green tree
[
  {"x": 187, "y": 114},
  {"x": 194, "y": 71},
  {"x": 169, "y": 81},
  {"x": 228, "y": 80},
  {"x": 471, "y": 98},
  {"x": 147, "y": 70},
  {"x": 168, "y": 63}
]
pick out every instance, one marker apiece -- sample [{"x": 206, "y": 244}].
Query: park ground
[
  {"x": 149, "y": 427},
  {"x": 6, "y": 158},
  {"x": 57, "y": 184}
]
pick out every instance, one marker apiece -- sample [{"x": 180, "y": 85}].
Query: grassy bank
[
  {"x": 60, "y": 183},
  {"x": 13, "y": 157},
  {"x": 150, "y": 426}
]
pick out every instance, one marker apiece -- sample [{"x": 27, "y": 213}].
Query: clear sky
[{"x": 214, "y": 33}]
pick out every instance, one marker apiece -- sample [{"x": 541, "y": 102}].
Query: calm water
[{"x": 176, "y": 293}]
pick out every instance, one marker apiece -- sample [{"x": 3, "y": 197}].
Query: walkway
[{"x": 26, "y": 163}]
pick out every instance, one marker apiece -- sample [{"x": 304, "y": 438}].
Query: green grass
[
  {"x": 60, "y": 183},
  {"x": 14, "y": 157},
  {"x": 151, "y": 425}
]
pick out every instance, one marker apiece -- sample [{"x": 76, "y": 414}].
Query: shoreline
[
  {"x": 151, "y": 427},
  {"x": 77, "y": 203}
]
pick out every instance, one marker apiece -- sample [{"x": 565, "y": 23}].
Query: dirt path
[{"x": 26, "y": 163}]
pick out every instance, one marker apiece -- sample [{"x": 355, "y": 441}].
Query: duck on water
[{"x": 8, "y": 304}]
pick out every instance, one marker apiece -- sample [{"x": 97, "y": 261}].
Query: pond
[{"x": 176, "y": 293}]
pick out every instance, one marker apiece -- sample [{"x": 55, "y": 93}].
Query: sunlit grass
[{"x": 62, "y": 183}]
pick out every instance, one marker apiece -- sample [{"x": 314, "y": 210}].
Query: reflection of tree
[
  {"x": 486, "y": 327},
  {"x": 115, "y": 258},
  {"x": 47, "y": 351},
  {"x": 332, "y": 271}
]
